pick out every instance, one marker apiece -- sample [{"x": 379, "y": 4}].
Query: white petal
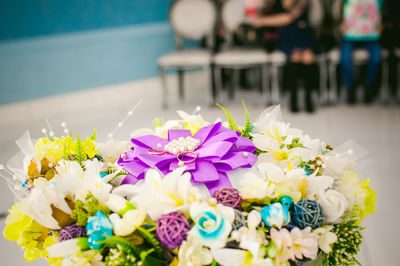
[{"x": 229, "y": 257}]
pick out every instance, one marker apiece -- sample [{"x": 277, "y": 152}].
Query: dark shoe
[
  {"x": 309, "y": 103},
  {"x": 309, "y": 73},
  {"x": 351, "y": 96},
  {"x": 370, "y": 92},
  {"x": 294, "y": 107},
  {"x": 292, "y": 85}
]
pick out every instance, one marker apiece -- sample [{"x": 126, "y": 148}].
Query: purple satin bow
[{"x": 221, "y": 150}]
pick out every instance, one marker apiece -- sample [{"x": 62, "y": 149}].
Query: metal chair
[
  {"x": 233, "y": 14},
  {"x": 193, "y": 20},
  {"x": 276, "y": 60}
]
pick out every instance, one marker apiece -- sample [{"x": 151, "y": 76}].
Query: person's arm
[
  {"x": 282, "y": 19},
  {"x": 276, "y": 20}
]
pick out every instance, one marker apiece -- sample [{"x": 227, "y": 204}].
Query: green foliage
[
  {"x": 120, "y": 251},
  {"x": 231, "y": 121},
  {"x": 295, "y": 144},
  {"x": 248, "y": 127},
  {"x": 344, "y": 251},
  {"x": 80, "y": 154},
  {"x": 94, "y": 135},
  {"x": 86, "y": 209},
  {"x": 246, "y": 130},
  {"x": 253, "y": 204},
  {"x": 151, "y": 239},
  {"x": 158, "y": 122}
]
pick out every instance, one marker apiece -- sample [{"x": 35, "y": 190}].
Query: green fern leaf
[
  {"x": 94, "y": 135},
  {"x": 231, "y": 121},
  {"x": 80, "y": 151},
  {"x": 151, "y": 239},
  {"x": 248, "y": 126}
]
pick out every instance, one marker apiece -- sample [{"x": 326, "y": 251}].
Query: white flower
[
  {"x": 237, "y": 257},
  {"x": 111, "y": 150},
  {"x": 131, "y": 220},
  {"x": 73, "y": 180},
  {"x": 192, "y": 122},
  {"x": 254, "y": 186},
  {"x": 283, "y": 242},
  {"x": 290, "y": 183},
  {"x": 64, "y": 248},
  {"x": 317, "y": 185},
  {"x": 158, "y": 195},
  {"x": 305, "y": 243},
  {"x": 160, "y": 130},
  {"x": 38, "y": 204},
  {"x": 249, "y": 237},
  {"x": 212, "y": 224},
  {"x": 325, "y": 238},
  {"x": 334, "y": 205},
  {"x": 192, "y": 253}
]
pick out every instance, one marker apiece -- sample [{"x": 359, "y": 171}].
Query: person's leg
[
  {"x": 293, "y": 78},
  {"x": 309, "y": 74},
  {"x": 346, "y": 65},
  {"x": 374, "y": 62}
]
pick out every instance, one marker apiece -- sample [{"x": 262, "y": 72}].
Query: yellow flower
[
  {"x": 56, "y": 149},
  {"x": 26, "y": 232},
  {"x": 359, "y": 194},
  {"x": 370, "y": 198},
  {"x": 89, "y": 147}
]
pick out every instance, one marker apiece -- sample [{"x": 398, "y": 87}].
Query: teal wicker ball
[{"x": 307, "y": 213}]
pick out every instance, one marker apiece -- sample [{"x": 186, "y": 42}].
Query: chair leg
[
  {"x": 213, "y": 86},
  {"x": 164, "y": 100},
  {"x": 398, "y": 81},
  {"x": 275, "y": 84},
  {"x": 234, "y": 84},
  {"x": 384, "y": 94},
  {"x": 265, "y": 92},
  {"x": 208, "y": 77},
  {"x": 218, "y": 84},
  {"x": 323, "y": 92},
  {"x": 333, "y": 89},
  {"x": 180, "y": 83}
]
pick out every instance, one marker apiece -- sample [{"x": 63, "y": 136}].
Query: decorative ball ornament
[
  {"x": 307, "y": 213},
  {"x": 228, "y": 196},
  {"x": 172, "y": 229},
  {"x": 72, "y": 231},
  {"x": 239, "y": 221}
]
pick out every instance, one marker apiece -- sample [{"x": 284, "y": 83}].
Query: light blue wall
[
  {"x": 79, "y": 53},
  {"x": 31, "y": 18}
]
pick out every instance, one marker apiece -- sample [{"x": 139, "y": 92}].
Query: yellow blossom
[
  {"x": 359, "y": 194},
  {"x": 26, "y": 232}
]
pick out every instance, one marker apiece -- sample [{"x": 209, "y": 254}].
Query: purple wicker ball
[
  {"x": 228, "y": 196},
  {"x": 172, "y": 229},
  {"x": 72, "y": 231}
]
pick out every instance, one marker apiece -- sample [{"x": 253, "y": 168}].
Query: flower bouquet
[{"x": 188, "y": 192}]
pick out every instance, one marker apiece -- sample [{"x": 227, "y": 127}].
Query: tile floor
[{"x": 376, "y": 127}]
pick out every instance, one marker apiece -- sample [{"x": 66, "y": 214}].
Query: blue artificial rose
[
  {"x": 98, "y": 227},
  {"x": 275, "y": 215},
  {"x": 212, "y": 225}
]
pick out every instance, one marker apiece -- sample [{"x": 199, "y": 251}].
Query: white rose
[{"x": 334, "y": 204}]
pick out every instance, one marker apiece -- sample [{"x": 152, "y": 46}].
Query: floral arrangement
[{"x": 188, "y": 192}]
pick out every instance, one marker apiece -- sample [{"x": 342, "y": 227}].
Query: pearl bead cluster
[{"x": 182, "y": 145}]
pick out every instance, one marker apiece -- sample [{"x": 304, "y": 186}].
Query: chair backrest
[
  {"x": 233, "y": 14},
  {"x": 192, "y": 19}
]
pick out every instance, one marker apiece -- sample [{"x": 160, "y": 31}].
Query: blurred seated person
[
  {"x": 296, "y": 41},
  {"x": 361, "y": 26}
]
